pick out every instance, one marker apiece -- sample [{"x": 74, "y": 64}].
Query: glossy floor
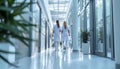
[{"x": 65, "y": 60}]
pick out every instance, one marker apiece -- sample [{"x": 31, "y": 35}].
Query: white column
[
  {"x": 75, "y": 25},
  {"x": 116, "y": 19}
]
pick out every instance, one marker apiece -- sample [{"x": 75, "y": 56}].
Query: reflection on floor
[{"x": 65, "y": 60}]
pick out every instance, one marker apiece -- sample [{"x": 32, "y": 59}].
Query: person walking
[
  {"x": 65, "y": 35},
  {"x": 56, "y": 34}
]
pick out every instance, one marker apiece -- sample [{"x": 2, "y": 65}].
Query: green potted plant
[
  {"x": 11, "y": 27},
  {"x": 84, "y": 36},
  {"x": 85, "y": 43}
]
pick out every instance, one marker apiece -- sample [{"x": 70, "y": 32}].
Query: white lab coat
[
  {"x": 65, "y": 37},
  {"x": 65, "y": 34},
  {"x": 57, "y": 32}
]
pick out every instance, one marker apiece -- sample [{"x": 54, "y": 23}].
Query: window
[{"x": 99, "y": 25}]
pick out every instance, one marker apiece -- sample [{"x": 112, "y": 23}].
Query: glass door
[
  {"x": 88, "y": 25},
  {"x": 99, "y": 21},
  {"x": 109, "y": 32},
  {"x": 108, "y": 28}
]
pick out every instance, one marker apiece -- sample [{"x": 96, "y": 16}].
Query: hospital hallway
[
  {"x": 59, "y": 34},
  {"x": 52, "y": 59}
]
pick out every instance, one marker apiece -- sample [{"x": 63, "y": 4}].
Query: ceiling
[{"x": 58, "y": 9}]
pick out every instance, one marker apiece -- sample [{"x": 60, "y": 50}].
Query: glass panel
[
  {"x": 83, "y": 3},
  {"x": 36, "y": 19},
  {"x": 88, "y": 24},
  {"x": 108, "y": 28},
  {"x": 87, "y": 1},
  {"x": 61, "y": 5},
  {"x": 43, "y": 31},
  {"x": 99, "y": 25},
  {"x": 62, "y": 8},
  {"x": 88, "y": 17},
  {"x": 79, "y": 31},
  {"x": 51, "y": 7},
  {"x": 82, "y": 21},
  {"x": 22, "y": 0},
  {"x": 81, "y": 28}
]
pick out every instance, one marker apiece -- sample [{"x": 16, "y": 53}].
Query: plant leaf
[
  {"x": 3, "y": 8},
  {"x": 11, "y": 2},
  {"x": 4, "y": 59},
  {"x": 8, "y": 52},
  {"x": 23, "y": 39},
  {"x": 19, "y": 9}
]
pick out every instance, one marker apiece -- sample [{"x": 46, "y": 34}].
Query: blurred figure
[
  {"x": 65, "y": 35},
  {"x": 56, "y": 35}
]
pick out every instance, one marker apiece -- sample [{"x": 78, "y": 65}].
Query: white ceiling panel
[{"x": 58, "y": 9}]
